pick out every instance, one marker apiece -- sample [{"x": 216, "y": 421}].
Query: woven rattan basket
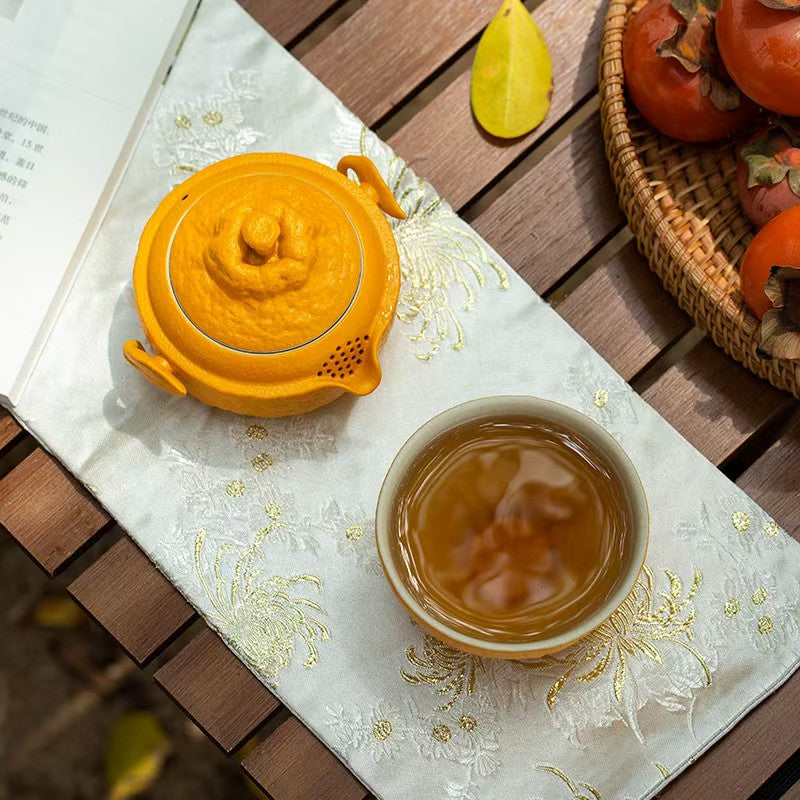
[{"x": 681, "y": 203}]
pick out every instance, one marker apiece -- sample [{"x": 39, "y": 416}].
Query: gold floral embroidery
[
  {"x": 771, "y": 528},
  {"x": 442, "y": 733},
  {"x": 601, "y": 398},
  {"x": 260, "y": 614},
  {"x": 256, "y": 432},
  {"x": 437, "y": 254},
  {"x": 577, "y": 789},
  {"x": 213, "y": 118},
  {"x": 355, "y": 533},
  {"x": 382, "y": 729},
  {"x": 451, "y": 671},
  {"x": 662, "y": 769},
  {"x": 467, "y": 723},
  {"x": 273, "y": 510},
  {"x": 235, "y": 489},
  {"x": 731, "y": 607},
  {"x": 635, "y": 629},
  {"x": 740, "y": 521},
  {"x": 765, "y": 625},
  {"x": 197, "y": 131},
  {"x": 759, "y": 596},
  {"x": 262, "y": 462}
]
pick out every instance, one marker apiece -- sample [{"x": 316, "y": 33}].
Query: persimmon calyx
[
  {"x": 694, "y": 46},
  {"x": 782, "y": 5},
  {"x": 773, "y": 157},
  {"x": 780, "y": 328}
]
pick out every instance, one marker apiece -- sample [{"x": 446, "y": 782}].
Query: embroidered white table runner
[{"x": 266, "y": 526}]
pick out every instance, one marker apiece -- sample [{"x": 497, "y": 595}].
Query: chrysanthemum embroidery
[
  {"x": 468, "y": 736},
  {"x": 380, "y": 730},
  {"x": 353, "y": 530},
  {"x": 277, "y": 442},
  {"x": 603, "y": 396},
  {"x": 451, "y": 672},
  {"x": 444, "y": 263},
  {"x": 577, "y": 791},
  {"x": 753, "y": 608},
  {"x": 644, "y": 651},
  {"x": 746, "y": 525},
  {"x": 198, "y": 131},
  {"x": 264, "y": 617}
]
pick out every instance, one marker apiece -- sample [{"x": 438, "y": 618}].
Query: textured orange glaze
[{"x": 266, "y": 283}]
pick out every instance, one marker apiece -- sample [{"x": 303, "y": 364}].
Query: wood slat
[
  {"x": 386, "y": 49},
  {"x": 132, "y": 600},
  {"x": 774, "y": 480},
  {"x": 286, "y": 19},
  {"x": 623, "y": 311},
  {"x": 293, "y": 764},
  {"x": 556, "y": 213},
  {"x": 445, "y": 145},
  {"x": 9, "y": 428},
  {"x": 47, "y": 512},
  {"x": 217, "y": 690},
  {"x": 750, "y": 753},
  {"x": 715, "y": 403}
]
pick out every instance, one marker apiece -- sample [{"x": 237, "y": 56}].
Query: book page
[{"x": 73, "y": 79}]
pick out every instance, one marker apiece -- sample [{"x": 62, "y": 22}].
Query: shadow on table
[{"x": 165, "y": 423}]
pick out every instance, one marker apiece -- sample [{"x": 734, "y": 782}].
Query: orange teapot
[{"x": 266, "y": 283}]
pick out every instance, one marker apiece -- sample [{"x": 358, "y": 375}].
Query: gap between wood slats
[
  {"x": 217, "y": 690},
  {"x": 432, "y": 86},
  {"x": 10, "y": 430},
  {"x": 377, "y": 57},
  {"x": 132, "y": 600},
  {"x": 47, "y": 512},
  {"x": 289, "y": 20},
  {"x": 307, "y": 41},
  {"x": 442, "y": 141}
]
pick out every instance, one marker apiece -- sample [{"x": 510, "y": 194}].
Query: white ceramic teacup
[{"x": 534, "y": 407}]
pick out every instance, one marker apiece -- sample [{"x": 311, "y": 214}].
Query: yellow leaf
[
  {"x": 512, "y": 76},
  {"x": 57, "y": 612},
  {"x": 135, "y": 752}
]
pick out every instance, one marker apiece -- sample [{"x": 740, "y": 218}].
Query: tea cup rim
[{"x": 534, "y": 407}]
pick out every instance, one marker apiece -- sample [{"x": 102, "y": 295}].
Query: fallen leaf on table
[
  {"x": 136, "y": 749},
  {"x": 512, "y": 75},
  {"x": 58, "y": 611}
]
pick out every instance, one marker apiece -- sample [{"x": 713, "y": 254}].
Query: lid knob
[{"x": 261, "y": 252}]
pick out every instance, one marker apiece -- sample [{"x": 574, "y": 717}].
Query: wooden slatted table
[{"x": 545, "y": 202}]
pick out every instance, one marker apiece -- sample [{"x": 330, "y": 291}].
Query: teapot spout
[{"x": 365, "y": 379}]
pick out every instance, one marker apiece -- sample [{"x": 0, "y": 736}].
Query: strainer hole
[
  {"x": 350, "y": 372},
  {"x": 366, "y": 338},
  {"x": 319, "y": 374},
  {"x": 358, "y": 361}
]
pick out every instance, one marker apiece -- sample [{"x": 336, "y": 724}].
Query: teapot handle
[
  {"x": 155, "y": 368},
  {"x": 372, "y": 183}
]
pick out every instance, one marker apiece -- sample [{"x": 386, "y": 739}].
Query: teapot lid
[{"x": 266, "y": 261}]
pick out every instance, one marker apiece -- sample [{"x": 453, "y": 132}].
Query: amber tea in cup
[{"x": 511, "y": 528}]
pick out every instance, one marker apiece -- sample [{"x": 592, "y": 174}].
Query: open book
[{"x": 78, "y": 79}]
